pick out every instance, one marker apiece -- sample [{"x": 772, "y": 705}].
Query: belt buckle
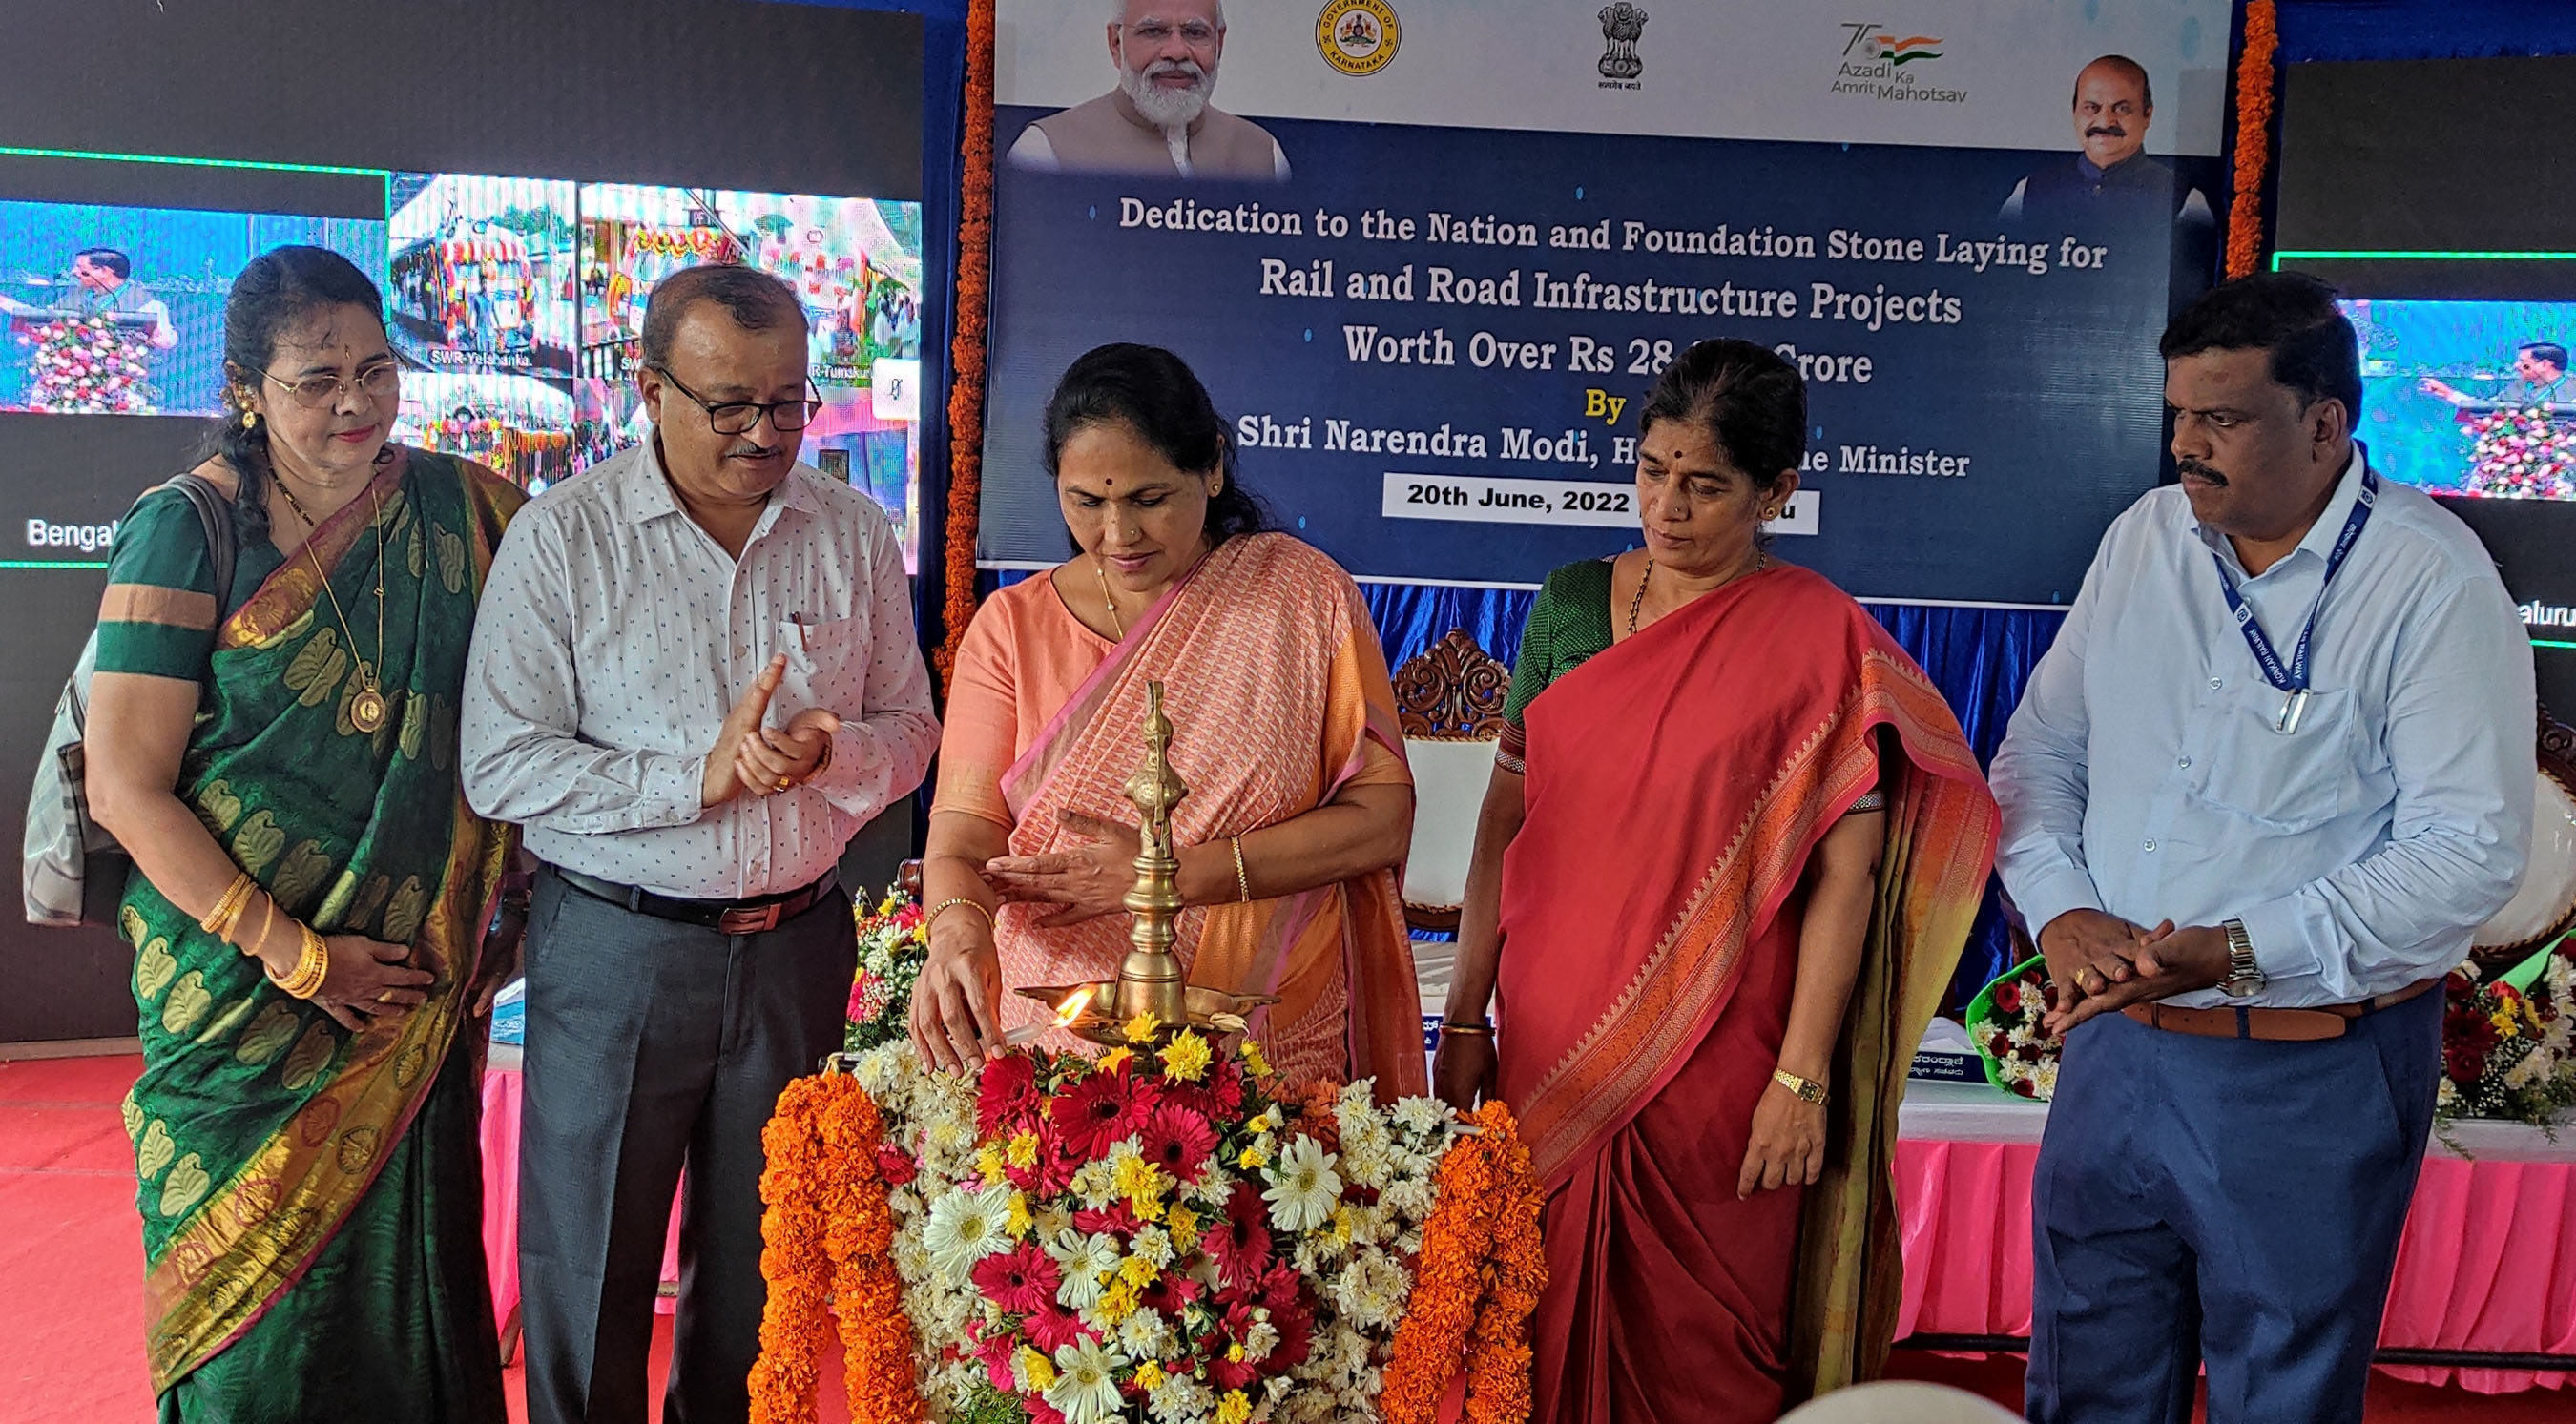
[{"x": 748, "y": 919}]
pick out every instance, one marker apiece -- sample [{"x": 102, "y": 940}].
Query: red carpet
[{"x": 71, "y": 1294}]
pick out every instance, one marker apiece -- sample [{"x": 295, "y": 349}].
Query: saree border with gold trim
[{"x": 311, "y": 1110}]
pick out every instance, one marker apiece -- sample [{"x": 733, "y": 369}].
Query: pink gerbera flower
[
  {"x": 1094, "y": 1114},
  {"x": 1006, "y": 1093},
  {"x": 1021, "y": 1281},
  {"x": 1240, "y": 1244},
  {"x": 1052, "y": 1327},
  {"x": 1179, "y": 1141}
]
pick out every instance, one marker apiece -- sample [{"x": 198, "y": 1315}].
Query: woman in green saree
[{"x": 310, "y": 890}]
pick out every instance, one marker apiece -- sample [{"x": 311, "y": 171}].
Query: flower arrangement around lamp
[
  {"x": 2003, "y": 1024},
  {"x": 2521, "y": 454},
  {"x": 2509, "y": 1043},
  {"x": 1152, "y": 1235}
]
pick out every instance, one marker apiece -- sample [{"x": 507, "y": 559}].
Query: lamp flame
[{"x": 1072, "y": 1007}]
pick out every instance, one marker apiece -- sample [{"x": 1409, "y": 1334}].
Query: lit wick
[{"x": 1065, "y": 1013}]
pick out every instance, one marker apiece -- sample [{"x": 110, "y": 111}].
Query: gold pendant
[{"x": 367, "y": 710}]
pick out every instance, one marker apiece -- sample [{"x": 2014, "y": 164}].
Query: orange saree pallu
[
  {"x": 1651, "y": 908},
  {"x": 1276, "y": 690}
]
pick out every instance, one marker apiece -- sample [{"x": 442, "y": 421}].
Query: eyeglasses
[
  {"x": 736, "y": 417},
  {"x": 1197, "y": 34},
  {"x": 323, "y": 392}
]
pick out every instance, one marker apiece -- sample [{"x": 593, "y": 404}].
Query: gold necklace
[
  {"x": 1108, "y": 602},
  {"x": 1761, "y": 561},
  {"x": 367, "y": 707}
]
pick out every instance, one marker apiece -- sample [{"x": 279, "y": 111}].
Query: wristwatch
[{"x": 2244, "y": 978}]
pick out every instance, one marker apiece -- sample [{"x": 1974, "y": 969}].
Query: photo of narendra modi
[{"x": 1159, "y": 119}]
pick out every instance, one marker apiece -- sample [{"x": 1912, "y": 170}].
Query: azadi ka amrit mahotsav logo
[{"x": 1877, "y": 46}]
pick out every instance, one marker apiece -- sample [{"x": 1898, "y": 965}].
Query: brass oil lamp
[{"x": 1150, "y": 980}]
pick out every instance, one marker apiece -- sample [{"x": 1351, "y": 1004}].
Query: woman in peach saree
[{"x": 1299, "y": 806}]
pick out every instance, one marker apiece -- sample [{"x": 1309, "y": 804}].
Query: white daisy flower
[
  {"x": 1086, "y": 1385},
  {"x": 1155, "y": 1245},
  {"x": 965, "y": 1227},
  {"x": 1260, "y": 1340},
  {"x": 1085, "y": 1260},
  {"x": 1181, "y": 1400},
  {"x": 1409, "y": 1200},
  {"x": 1371, "y": 1289},
  {"x": 1304, "y": 1187},
  {"x": 2044, "y": 1078},
  {"x": 1421, "y": 1116},
  {"x": 1142, "y": 1334}
]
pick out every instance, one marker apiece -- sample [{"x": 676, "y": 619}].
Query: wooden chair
[{"x": 1449, "y": 702}]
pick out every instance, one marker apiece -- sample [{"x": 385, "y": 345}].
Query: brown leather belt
[{"x": 2273, "y": 1025}]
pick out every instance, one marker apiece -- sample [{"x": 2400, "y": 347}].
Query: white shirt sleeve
[
  {"x": 522, "y": 755},
  {"x": 884, "y": 747},
  {"x": 2039, "y": 774}
]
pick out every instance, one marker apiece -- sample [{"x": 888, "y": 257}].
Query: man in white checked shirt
[{"x": 694, "y": 679}]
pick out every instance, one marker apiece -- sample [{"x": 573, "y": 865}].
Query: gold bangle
[
  {"x": 1242, "y": 881},
  {"x": 944, "y": 906},
  {"x": 311, "y": 968},
  {"x": 267, "y": 922},
  {"x": 1807, "y": 1089},
  {"x": 1474, "y": 1030},
  {"x": 219, "y": 920}
]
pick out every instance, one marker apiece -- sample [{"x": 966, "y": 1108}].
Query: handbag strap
[{"x": 214, "y": 513}]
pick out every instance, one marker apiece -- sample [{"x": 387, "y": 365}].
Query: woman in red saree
[
  {"x": 1284, "y": 730},
  {"x": 1730, "y": 854}
]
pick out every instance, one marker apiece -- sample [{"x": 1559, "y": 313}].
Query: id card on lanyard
[{"x": 2291, "y": 678}]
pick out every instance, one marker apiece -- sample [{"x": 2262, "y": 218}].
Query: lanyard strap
[{"x": 2293, "y": 678}]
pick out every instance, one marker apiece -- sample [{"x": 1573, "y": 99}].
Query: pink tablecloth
[
  {"x": 2488, "y": 1262},
  {"x": 503, "y": 1090}
]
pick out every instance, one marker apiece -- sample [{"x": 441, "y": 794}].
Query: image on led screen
[
  {"x": 856, "y": 266},
  {"x": 480, "y": 304},
  {"x": 2469, "y": 397},
  {"x": 120, "y": 310}
]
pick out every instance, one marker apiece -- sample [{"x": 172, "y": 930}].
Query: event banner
[{"x": 1429, "y": 256}]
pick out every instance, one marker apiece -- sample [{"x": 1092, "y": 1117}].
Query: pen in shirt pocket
[{"x": 797, "y": 621}]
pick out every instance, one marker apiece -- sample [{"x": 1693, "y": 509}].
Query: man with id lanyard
[{"x": 2274, "y": 772}]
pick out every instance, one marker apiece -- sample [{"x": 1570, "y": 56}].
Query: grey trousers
[{"x": 654, "y": 1045}]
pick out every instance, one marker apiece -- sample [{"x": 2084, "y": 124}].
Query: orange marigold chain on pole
[
  {"x": 1475, "y": 1285},
  {"x": 867, "y": 1293},
  {"x": 967, "y": 350},
  {"x": 796, "y": 1317},
  {"x": 2254, "y": 75}
]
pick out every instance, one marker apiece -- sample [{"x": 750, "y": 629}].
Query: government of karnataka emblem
[{"x": 1621, "y": 25}]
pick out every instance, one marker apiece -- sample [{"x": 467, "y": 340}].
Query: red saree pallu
[
  {"x": 1677, "y": 784},
  {"x": 1275, "y": 688}
]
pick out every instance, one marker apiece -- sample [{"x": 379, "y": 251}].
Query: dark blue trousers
[{"x": 2223, "y": 1202}]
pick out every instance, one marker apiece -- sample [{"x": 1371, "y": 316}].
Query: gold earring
[{"x": 250, "y": 420}]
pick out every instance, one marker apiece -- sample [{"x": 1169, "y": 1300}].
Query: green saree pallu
[{"x": 311, "y": 1196}]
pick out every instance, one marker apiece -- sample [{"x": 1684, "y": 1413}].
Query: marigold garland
[
  {"x": 967, "y": 348},
  {"x": 827, "y": 1236},
  {"x": 2254, "y": 75},
  {"x": 1475, "y": 1284},
  {"x": 797, "y": 1315}
]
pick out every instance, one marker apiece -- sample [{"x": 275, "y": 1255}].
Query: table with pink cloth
[
  {"x": 2487, "y": 1264},
  {"x": 504, "y": 1092}
]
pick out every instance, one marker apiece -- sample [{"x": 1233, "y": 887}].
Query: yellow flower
[
  {"x": 1148, "y": 1376},
  {"x": 1234, "y": 1408},
  {"x": 1137, "y": 1271},
  {"x": 1341, "y": 1225},
  {"x": 1139, "y": 1178},
  {"x": 988, "y": 1160},
  {"x": 1186, "y": 1058},
  {"x": 1117, "y": 1303},
  {"x": 2503, "y": 1020},
  {"x": 1253, "y": 1158},
  {"x": 1015, "y": 1217},
  {"x": 1253, "y": 1060},
  {"x": 1234, "y": 1352},
  {"x": 1022, "y": 1151},
  {"x": 1184, "y": 1224},
  {"x": 1143, "y": 1027},
  {"x": 1040, "y": 1369}
]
